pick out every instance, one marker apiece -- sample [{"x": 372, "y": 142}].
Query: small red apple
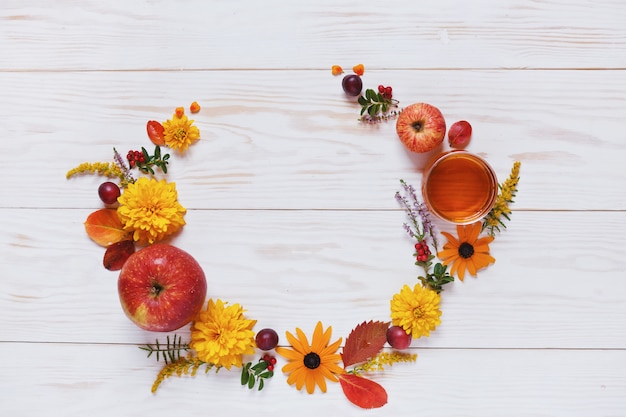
[
  {"x": 421, "y": 127},
  {"x": 161, "y": 288}
]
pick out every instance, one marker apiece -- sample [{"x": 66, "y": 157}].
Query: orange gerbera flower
[
  {"x": 311, "y": 364},
  {"x": 466, "y": 252}
]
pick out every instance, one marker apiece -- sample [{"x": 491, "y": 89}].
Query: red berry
[
  {"x": 381, "y": 88},
  {"x": 108, "y": 192},
  {"x": 266, "y": 339},
  {"x": 270, "y": 368},
  {"x": 272, "y": 361},
  {"x": 398, "y": 338}
]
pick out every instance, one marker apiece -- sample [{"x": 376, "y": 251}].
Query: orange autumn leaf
[
  {"x": 365, "y": 341},
  {"x": 358, "y": 69},
  {"x": 362, "y": 392},
  {"x": 180, "y": 112},
  {"x": 336, "y": 69},
  {"x": 195, "y": 107},
  {"x": 104, "y": 227}
]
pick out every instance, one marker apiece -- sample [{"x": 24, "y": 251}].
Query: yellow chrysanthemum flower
[
  {"x": 179, "y": 133},
  {"x": 150, "y": 210},
  {"x": 311, "y": 364},
  {"x": 416, "y": 310},
  {"x": 221, "y": 335}
]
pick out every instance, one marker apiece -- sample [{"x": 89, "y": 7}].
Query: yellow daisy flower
[
  {"x": 179, "y": 133},
  {"x": 467, "y": 252},
  {"x": 150, "y": 210},
  {"x": 311, "y": 364},
  {"x": 416, "y": 310},
  {"x": 221, "y": 335}
]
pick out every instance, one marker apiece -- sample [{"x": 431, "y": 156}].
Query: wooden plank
[
  {"x": 552, "y": 286},
  {"x": 273, "y": 140},
  {"x": 104, "y": 380},
  {"x": 284, "y": 34}
]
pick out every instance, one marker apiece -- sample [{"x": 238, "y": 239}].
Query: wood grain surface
[{"x": 290, "y": 199}]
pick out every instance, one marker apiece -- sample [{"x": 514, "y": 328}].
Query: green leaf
[
  {"x": 261, "y": 366},
  {"x": 267, "y": 374},
  {"x": 245, "y": 376},
  {"x": 362, "y": 101},
  {"x": 370, "y": 94},
  {"x": 251, "y": 383},
  {"x": 261, "y": 384},
  {"x": 157, "y": 152}
]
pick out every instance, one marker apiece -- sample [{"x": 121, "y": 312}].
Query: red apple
[
  {"x": 421, "y": 127},
  {"x": 161, "y": 288}
]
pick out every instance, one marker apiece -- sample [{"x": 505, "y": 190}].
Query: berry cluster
[
  {"x": 135, "y": 157},
  {"x": 386, "y": 92},
  {"x": 270, "y": 360},
  {"x": 422, "y": 252}
]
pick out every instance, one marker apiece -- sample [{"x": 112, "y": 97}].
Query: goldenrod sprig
[
  {"x": 107, "y": 169},
  {"x": 382, "y": 360},
  {"x": 182, "y": 366},
  {"x": 501, "y": 209}
]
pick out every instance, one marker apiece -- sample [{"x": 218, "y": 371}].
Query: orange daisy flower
[
  {"x": 467, "y": 252},
  {"x": 311, "y": 364}
]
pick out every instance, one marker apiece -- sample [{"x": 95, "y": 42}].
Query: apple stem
[
  {"x": 417, "y": 126},
  {"x": 156, "y": 289}
]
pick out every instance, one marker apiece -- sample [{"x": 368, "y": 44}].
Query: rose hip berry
[
  {"x": 266, "y": 339},
  {"x": 398, "y": 338}
]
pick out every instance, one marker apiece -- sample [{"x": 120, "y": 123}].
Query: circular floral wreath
[{"x": 148, "y": 211}]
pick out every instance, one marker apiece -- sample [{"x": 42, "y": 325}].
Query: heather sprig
[
  {"x": 119, "y": 161},
  {"x": 418, "y": 213}
]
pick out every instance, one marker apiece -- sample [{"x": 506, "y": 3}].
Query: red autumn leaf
[
  {"x": 117, "y": 254},
  {"x": 155, "y": 132},
  {"x": 362, "y": 391},
  {"x": 365, "y": 341},
  {"x": 104, "y": 227}
]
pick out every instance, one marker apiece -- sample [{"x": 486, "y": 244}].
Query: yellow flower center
[
  {"x": 180, "y": 134},
  {"x": 418, "y": 313}
]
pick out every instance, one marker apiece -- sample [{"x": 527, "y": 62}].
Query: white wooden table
[{"x": 290, "y": 200}]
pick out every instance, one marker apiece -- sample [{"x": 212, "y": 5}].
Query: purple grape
[
  {"x": 108, "y": 192},
  {"x": 266, "y": 339},
  {"x": 398, "y": 338},
  {"x": 352, "y": 84}
]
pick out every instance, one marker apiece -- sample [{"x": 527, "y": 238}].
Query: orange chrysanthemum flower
[
  {"x": 311, "y": 364},
  {"x": 467, "y": 252}
]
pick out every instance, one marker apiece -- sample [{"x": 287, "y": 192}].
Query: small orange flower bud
[
  {"x": 180, "y": 111},
  {"x": 195, "y": 107},
  {"x": 358, "y": 69},
  {"x": 336, "y": 69}
]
